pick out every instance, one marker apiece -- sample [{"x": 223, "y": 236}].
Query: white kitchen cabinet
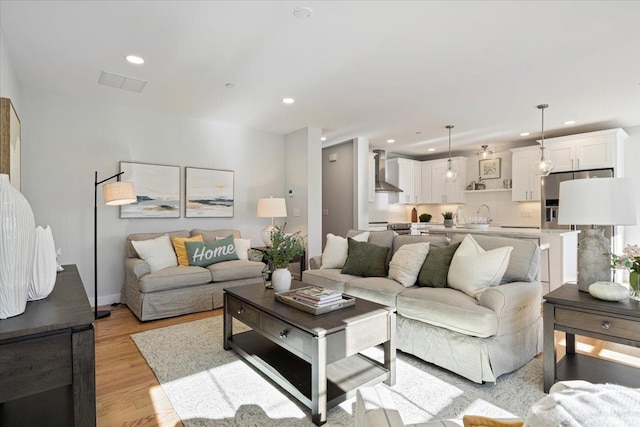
[
  {"x": 525, "y": 183},
  {"x": 440, "y": 190},
  {"x": 372, "y": 177},
  {"x": 405, "y": 174},
  {"x": 593, "y": 150},
  {"x": 426, "y": 182}
]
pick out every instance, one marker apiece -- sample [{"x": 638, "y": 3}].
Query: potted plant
[
  {"x": 425, "y": 217},
  {"x": 284, "y": 247},
  {"x": 448, "y": 219},
  {"x": 629, "y": 260}
]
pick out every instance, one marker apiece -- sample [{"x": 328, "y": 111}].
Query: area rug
[{"x": 209, "y": 386}]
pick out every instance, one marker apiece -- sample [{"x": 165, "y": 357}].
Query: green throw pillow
[
  {"x": 365, "y": 260},
  {"x": 435, "y": 269},
  {"x": 203, "y": 254}
]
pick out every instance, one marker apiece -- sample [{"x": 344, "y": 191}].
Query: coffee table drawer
[
  {"x": 598, "y": 323},
  {"x": 287, "y": 335},
  {"x": 243, "y": 312}
]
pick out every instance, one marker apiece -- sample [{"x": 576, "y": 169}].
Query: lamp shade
[
  {"x": 597, "y": 201},
  {"x": 119, "y": 193},
  {"x": 272, "y": 208}
]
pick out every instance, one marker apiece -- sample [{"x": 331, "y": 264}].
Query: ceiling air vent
[{"x": 122, "y": 82}]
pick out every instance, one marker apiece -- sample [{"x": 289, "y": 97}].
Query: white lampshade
[
  {"x": 119, "y": 193},
  {"x": 597, "y": 201},
  {"x": 272, "y": 208}
]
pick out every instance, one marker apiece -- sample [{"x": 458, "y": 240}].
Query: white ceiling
[{"x": 376, "y": 69}]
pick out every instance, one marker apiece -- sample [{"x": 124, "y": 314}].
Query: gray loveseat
[
  {"x": 477, "y": 338},
  {"x": 174, "y": 291}
]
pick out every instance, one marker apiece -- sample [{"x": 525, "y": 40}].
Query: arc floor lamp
[{"x": 115, "y": 194}]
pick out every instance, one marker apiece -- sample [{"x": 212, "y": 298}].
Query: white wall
[
  {"x": 66, "y": 139},
  {"x": 631, "y": 170},
  {"x": 303, "y": 174},
  {"x": 9, "y": 86}
]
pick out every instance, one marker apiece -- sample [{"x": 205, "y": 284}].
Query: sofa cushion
[
  {"x": 204, "y": 254},
  {"x": 181, "y": 250},
  {"x": 377, "y": 289},
  {"x": 131, "y": 251},
  {"x": 158, "y": 252},
  {"x": 435, "y": 269},
  {"x": 406, "y": 263},
  {"x": 337, "y": 248},
  {"x": 448, "y": 308},
  {"x": 242, "y": 247},
  {"x": 473, "y": 269},
  {"x": 366, "y": 260},
  {"x": 380, "y": 238},
  {"x": 211, "y": 235},
  {"x": 330, "y": 278},
  {"x": 434, "y": 240},
  {"x": 235, "y": 270},
  {"x": 173, "y": 278},
  {"x": 523, "y": 262}
]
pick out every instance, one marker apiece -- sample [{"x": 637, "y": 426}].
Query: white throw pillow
[
  {"x": 407, "y": 262},
  {"x": 158, "y": 252},
  {"x": 473, "y": 269},
  {"x": 242, "y": 247},
  {"x": 337, "y": 248}
]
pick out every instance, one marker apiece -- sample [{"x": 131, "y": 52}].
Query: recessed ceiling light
[
  {"x": 390, "y": 141},
  {"x": 288, "y": 100},
  {"x": 303, "y": 13},
  {"x": 570, "y": 122},
  {"x": 134, "y": 59},
  {"x": 431, "y": 149},
  {"x": 525, "y": 134},
  {"x": 323, "y": 138}
]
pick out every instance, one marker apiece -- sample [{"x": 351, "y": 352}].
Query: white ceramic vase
[
  {"x": 281, "y": 280},
  {"x": 17, "y": 242},
  {"x": 44, "y": 265}
]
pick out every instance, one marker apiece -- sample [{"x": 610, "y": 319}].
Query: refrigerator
[{"x": 551, "y": 194}]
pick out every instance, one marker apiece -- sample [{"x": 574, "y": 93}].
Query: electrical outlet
[
  {"x": 525, "y": 214},
  {"x": 325, "y": 212},
  {"x": 296, "y": 212}
]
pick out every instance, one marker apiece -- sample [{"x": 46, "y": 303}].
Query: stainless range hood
[{"x": 382, "y": 186}]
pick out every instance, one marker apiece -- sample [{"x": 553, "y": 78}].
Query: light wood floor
[{"x": 128, "y": 393}]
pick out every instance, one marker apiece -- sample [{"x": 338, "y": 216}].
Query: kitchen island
[{"x": 559, "y": 261}]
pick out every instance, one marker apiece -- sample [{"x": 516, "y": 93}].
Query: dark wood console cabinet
[{"x": 47, "y": 359}]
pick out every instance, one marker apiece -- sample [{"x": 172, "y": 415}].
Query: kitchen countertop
[{"x": 507, "y": 232}]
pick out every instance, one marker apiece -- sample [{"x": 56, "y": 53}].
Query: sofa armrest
[
  {"x": 375, "y": 408},
  {"x": 135, "y": 269},
  {"x": 315, "y": 262},
  {"x": 516, "y": 304}
]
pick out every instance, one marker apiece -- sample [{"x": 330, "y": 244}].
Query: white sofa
[{"x": 479, "y": 339}]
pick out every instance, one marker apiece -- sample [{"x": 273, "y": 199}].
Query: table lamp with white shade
[
  {"x": 596, "y": 201},
  {"x": 271, "y": 208}
]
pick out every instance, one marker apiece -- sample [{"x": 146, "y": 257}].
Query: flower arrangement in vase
[
  {"x": 284, "y": 247},
  {"x": 629, "y": 260}
]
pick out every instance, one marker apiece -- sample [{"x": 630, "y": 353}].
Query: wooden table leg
[
  {"x": 319, "y": 381},
  {"x": 549, "y": 347},
  {"x": 227, "y": 324},
  {"x": 570, "y": 339},
  {"x": 390, "y": 351},
  {"x": 84, "y": 378}
]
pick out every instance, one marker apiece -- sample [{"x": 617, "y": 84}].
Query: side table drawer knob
[
  {"x": 283, "y": 333},
  {"x": 606, "y": 325},
  {"x": 241, "y": 310}
]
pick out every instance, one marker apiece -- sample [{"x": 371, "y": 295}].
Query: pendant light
[
  {"x": 544, "y": 166},
  {"x": 485, "y": 152},
  {"x": 450, "y": 174}
]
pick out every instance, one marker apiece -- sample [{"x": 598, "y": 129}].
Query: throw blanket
[{"x": 582, "y": 404}]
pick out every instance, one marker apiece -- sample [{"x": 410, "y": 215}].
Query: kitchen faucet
[{"x": 489, "y": 218}]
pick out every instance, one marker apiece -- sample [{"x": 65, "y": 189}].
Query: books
[{"x": 306, "y": 299}]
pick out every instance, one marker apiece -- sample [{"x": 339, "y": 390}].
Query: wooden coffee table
[
  {"x": 314, "y": 358},
  {"x": 578, "y": 313}
]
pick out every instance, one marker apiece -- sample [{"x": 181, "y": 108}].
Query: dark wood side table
[
  {"x": 47, "y": 359},
  {"x": 578, "y": 313}
]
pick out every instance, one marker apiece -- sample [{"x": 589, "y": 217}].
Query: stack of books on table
[
  {"x": 315, "y": 300},
  {"x": 319, "y": 297}
]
